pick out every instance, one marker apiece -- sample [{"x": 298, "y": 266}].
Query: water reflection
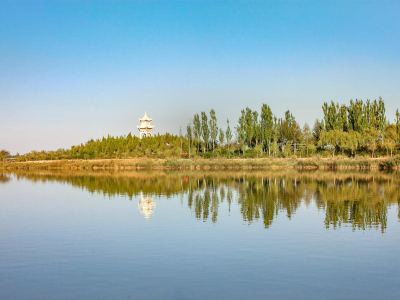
[
  {"x": 360, "y": 200},
  {"x": 4, "y": 178},
  {"x": 146, "y": 206}
]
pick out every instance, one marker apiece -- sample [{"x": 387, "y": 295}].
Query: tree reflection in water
[
  {"x": 4, "y": 178},
  {"x": 359, "y": 199}
]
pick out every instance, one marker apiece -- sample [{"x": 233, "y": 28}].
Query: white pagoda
[{"x": 145, "y": 127}]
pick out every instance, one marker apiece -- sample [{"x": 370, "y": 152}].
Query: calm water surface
[{"x": 196, "y": 236}]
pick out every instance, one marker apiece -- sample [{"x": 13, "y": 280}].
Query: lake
[{"x": 283, "y": 235}]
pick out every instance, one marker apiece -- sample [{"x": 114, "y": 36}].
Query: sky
[{"x": 71, "y": 71}]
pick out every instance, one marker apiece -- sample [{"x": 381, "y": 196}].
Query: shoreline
[{"x": 231, "y": 164}]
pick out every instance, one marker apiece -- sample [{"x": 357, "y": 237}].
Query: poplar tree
[
  {"x": 343, "y": 118},
  {"x": 205, "y": 130},
  {"x": 307, "y": 139},
  {"x": 257, "y": 129},
  {"x": 197, "y": 131},
  {"x": 398, "y": 125},
  {"x": 267, "y": 124},
  {"x": 213, "y": 128},
  {"x": 189, "y": 136},
  {"x": 228, "y": 133},
  {"x": 241, "y": 127},
  {"x": 221, "y": 137},
  {"x": 380, "y": 114},
  {"x": 318, "y": 127},
  {"x": 355, "y": 115},
  {"x": 289, "y": 131},
  {"x": 248, "y": 127}
]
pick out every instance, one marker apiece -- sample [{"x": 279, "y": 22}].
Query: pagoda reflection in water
[{"x": 146, "y": 206}]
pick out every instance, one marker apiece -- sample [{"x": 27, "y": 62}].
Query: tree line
[
  {"x": 129, "y": 146},
  {"x": 359, "y": 127},
  {"x": 355, "y": 128}
]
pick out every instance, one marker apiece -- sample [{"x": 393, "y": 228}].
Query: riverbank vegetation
[
  {"x": 265, "y": 164},
  {"x": 359, "y": 128}
]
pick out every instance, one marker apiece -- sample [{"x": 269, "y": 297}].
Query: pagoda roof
[
  {"x": 145, "y": 127},
  {"x": 146, "y": 118}
]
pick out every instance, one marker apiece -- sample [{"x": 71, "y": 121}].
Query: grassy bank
[{"x": 315, "y": 163}]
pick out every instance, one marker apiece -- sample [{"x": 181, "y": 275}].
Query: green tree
[
  {"x": 241, "y": 129},
  {"x": 370, "y": 140},
  {"x": 318, "y": 127},
  {"x": 335, "y": 116},
  {"x": 330, "y": 140},
  {"x": 308, "y": 140},
  {"x": 228, "y": 133},
  {"x": 197, "y": 131},
  {"x": 289, "y": 133},
  {"x": 351, "y": 142},
  {"x": 257, "y": 129},
  {"x": 398, "y": 125},
  {"x": 4, "y": 154},
  {"x": 189, "y": 136},
  {"x": 205, "y": 130},
  {"x": 213, "y": 128},
  {"x": 267, "y": 124},
  {"x": 343, "y": 118},
  {"x": 221, "y": 136},
  {"x": 380, "y": 114},
  {"x": 250, "y": 122},
  {"x": 389, "y": 141},
  {"x": 355, "y": 115},
  {"x": 228, "y": 136}
]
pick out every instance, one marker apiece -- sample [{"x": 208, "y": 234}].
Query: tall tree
[
  {"x": 380, "y": 115},
  {"x": 257, "y": 129},
  {"x": 228, "y": 133},
  {"x": 318, "y": 127},
  {"x": 308, "y": 140},
  {"x": 355, "y": 115},
  {"x": 221, "y": 137},
  {"x": 197, "y": 131},
  {"x": 267, "y": 124},
  {"x": 290, "y": 132},
  {"x": 250, "y": 123},
  {"x": 398, "y": 125},
  {"x": 330, "y": 116},
  {"x": 343, "y": 118},
  {"x": 213, "y": 128},
  {"x": 241, "y": 128},
  {"x": 189, "y": 136},
  {"x": 205, "y": 130}
]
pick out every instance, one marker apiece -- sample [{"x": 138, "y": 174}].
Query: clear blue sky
[{"x": 75, "y": 70}]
